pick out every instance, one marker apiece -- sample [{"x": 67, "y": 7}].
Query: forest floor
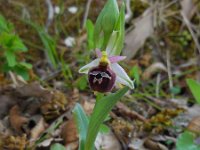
[{"x": 162, "y": 46}]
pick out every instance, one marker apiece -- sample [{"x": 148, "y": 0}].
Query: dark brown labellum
[{"x": 101, "y": 78}]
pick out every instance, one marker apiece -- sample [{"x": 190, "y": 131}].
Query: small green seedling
[{"x": 11, "y": 46}]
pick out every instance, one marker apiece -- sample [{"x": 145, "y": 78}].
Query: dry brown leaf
[
  {"x": 14, "y": 143},
  {"x": 137, "y": 144},
  {"x": 7, "y": 101},
  {"x": 72, "y": 146},
  {"x": 16, "y": 119},
  {"x": 143, "y": 29},
  {"x": 123, "y": 130},
  {"x": 194, "y": 125},
  {"x": 53, "y": 108},
  {"x": 38, "y": 129},
  {"x": 34, "y": 90},
  {"x": 145, "y": 60},
  {"x": 148, "y": 143},
  {"x": 188, "y": 8},
  {"x": 3, "y": 80},
  {"x": 153, "y": 69},
  {"x": 69, "y": 132},
  {"x": 46, "y": 142},
  {"x": 125, "y": 111},
  {"x": 107, "y": 141}
]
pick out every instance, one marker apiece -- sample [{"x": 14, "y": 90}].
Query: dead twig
[
  {"x": 50, "y": 14},
  {"x": 86, "y": 12},
  {"x": 129, "y": 13},
  {"x": 169, "y": 72},
  {"x": 158, "y": 79},
  {"x": 130, "y": 113}
]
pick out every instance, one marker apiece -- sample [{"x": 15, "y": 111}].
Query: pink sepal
[{"x": 115, "y": 59}]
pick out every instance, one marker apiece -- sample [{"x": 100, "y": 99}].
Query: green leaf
[
  {"x": 134, "y": 73},
  {"x": 57, "y": 146},
  {"x": 82, "y": 83},
  {"x": 101, "y": 110},
  {"x": 22, "y": 71},
  {"x": 195, "y": 88},
  {"x": 6, "y": 40},
  {"x": 82, "y": 124},
  {"x": 175, "y": 90},
  {"x": 6, "y": 68},
  {"x": 11, "y": 59},
  {"x": 25, "y": 65},
  {"x": 186, "y": 142},
  {"x": 90, "y": 33},
  {"x": 18, "y": 45},
  {"x": 112, "y": 42},
  {"x": 104, "y": 128},
  {"x": 116, "y": 41},
  {"x": 105, "y": 24},
  {"x": 99, "y": 95},
  {"x": 120, "y": 27},
  {"x": 12, "y": 42},
  {"x": 4, "y": 25}
]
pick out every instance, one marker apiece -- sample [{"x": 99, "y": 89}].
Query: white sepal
[
  {"x": 87, "y": 67},
  {"x": 122, "y": 76}
]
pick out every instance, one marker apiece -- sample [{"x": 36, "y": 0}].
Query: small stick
[
  {"x": 169, "y": 71},
  {"x": 13, "y": 78},
  {"x": 158, "y": 85},
  {"x": 50, "y": 14},
  {"x": 86, "y": 12},
  {"x": 129, "y": 11}
]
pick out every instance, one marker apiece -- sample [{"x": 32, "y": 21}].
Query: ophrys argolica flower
[{"x": 104, "y": 72}]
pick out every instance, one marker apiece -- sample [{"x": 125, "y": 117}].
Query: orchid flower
[
  {"x": 104, "y": 72},
  {"x": 108, "y": 34}
]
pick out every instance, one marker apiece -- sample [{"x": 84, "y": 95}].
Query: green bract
[
  {"x": 116, "y": 41},
  {"x": 105, "y": 24}
]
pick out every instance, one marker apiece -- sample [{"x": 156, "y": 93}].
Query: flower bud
[
  {"x": 101, "y": 78},
  {"x": 106, "y": 23}
]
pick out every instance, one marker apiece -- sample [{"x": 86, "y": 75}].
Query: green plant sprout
[
  {"x": 48, "y": 42},
  {"x": 107, "y": 38},
  {"x": 10, "y": 46}
]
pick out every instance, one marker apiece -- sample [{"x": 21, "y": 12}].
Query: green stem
[{"x": 101, "y": 110}]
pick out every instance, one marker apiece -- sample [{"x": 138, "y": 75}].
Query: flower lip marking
[{"x": 99, "y": 76}]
